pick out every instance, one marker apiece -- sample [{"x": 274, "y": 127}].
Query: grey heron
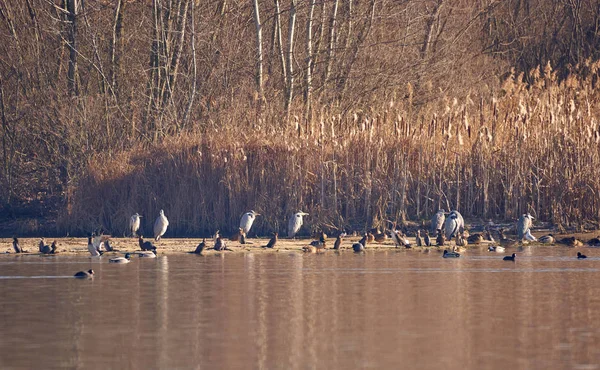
[
  {"x": 437, "y": 221},
  {"x": 454, "y": 224},
  {"x": 16, "y": 247},
  {"x": 247, "y": 220},
  {"x": 160, "y": 225},
  {"x": 89, "y": 274},
  {"x": 530, "y": 237},
  {"x": 125, "y": 259},
  {"x": 134, "y": 224},
  {"x": 523, "y": 225},
  {"x": 295, "y": 223}
]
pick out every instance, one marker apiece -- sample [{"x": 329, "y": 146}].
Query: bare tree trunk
[
  {"x": 280, "y": 42},
  {"x": 115, "y": 48},
  {"x": 309, "y": 58},
  {"x": 429, "y": 26},
  {"x": 290, "y": 55},
  {"x": 259, "y": 53},
  {"x": 72, "y": 9},
  {"x": 186, "y": 115},
  {"x": 331, "y": 45}
]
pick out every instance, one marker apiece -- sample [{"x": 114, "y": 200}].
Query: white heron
[
  {"x": 523, "y": 225},
  {"x": 134, "y": 224},
  {"x": 247, "y": 220},
  {"x": 437, "y": 221},
  {"x": 295, "y": 223},
  {"x": 454, "y": 224},
  {"x": 160, "y": 225}
]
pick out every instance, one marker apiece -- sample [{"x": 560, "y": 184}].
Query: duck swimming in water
[
  {"x": 580, "y": 256},
  {"x": 89, "y": 274},
  {"x": 125, "y": 259},
  {"x": 146, "y": 254},
  {"x": 450, "y": 254},
  {"x": 358, "y": 247},
  {"x": 510, "y": 258},
  {"x": 547, "y": 239},
  {"x": 440, "y": 240},
  {"x": 496, "y": 248}
]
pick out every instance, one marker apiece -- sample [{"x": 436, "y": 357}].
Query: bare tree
[
  {"x": 290, "y": 56},
  {"x": 259, "y": 53}
]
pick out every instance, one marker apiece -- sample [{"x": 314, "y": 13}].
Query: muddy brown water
[{"x": 382, "y": 309}]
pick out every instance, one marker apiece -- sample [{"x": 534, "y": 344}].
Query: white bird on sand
[
  {"x": 134, "y": 224},
  {"x": 247, "y": 220},
  {"x": 295, "y": 223},
  {"x": 160, "y": 225}
]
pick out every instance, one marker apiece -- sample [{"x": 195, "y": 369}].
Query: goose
[
  {"x": 510, "y": 258},
  {"x": 295, "y": 223},
  {"x": 450, "y": 254},
  {"x": 247, "y": 220},
  {"x": 89, "y": 274},
  {"x": 160, "y": 225},
  {"x": 125, "y": 259}
]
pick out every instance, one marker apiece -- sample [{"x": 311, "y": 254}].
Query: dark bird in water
[
  {"x": 450, "y": 254},
  {"x": 571, "y": 242},
  {"x": 16, "y": 246},
  {"x": 363, "y": 241},
  {"x": 419, "y": 240},
  {"x": 440, "y": 240},
  {"x": 219, "y": 244},
  {"x": 146, "y": 245},
  {"x": 594, "y": 241},
  {"x": 437, "y": 221},
  {"x": 338, "y": 242},
  {"x": 358, "y": 247},
  {"x": 580, "y": 256},
  {"x": 89, "y": 274},
  {"x": 510, "y": 258},
  {"x": 475, "y": 239},
  {"x": 426, "y": 239},
  {"x": 273, "y": 242},
  {"x": 200, "y": 247}
]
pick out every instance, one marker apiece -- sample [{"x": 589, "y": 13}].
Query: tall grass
[{"x": 530, "y": 147}]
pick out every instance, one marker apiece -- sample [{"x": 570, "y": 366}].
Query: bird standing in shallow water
[
  {"x": 581, "y": 256},
  {"x": 16, "y": 246},
  {"x": 134, "y": 224},
  {"x": 247, "y": 220},
  {"x": 510, "y": 258},
  {"x": 273, "y": 241},
  {"x": 89, "y": 274},
  {"x": 160, "y": 225},
  {"x": 295, "y": 223},
  {"x": 419, "y": 240}
]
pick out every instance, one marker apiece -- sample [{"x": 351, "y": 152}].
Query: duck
[
  {"x": 426, "y": 239},
  {"x": 89, "y": 274},
  {"x": 488, "y": 236},
  {"x": 460, "y": 241},
  {"x": 594, "y": 241},
  {"x": 450, "y": 254},
  {"x": 507, "y": 242},
  {"x": 273, "y": 242},
  {"x": 571, "y": 242},
  {"x": 381, "y": 237},
  {"x": 358, "y": 247},
  {"x": 546, "y": 239},
  {"x": 496, "y": 248},
  {"x": 94, "y": 252},
  {"x": 125, "y": 259},
  {"x": 146, "y": 245},
  {"x": 147, "y": 254},
  {"x": 475, "y": 239},
  {"x": 419, "y": 239},
  {"x": 440, "y": 240},
  {"x": 220, "y": 244},
  {"x": 238, "y": 235},
  {"x": 46, "y": 249},
  {"x": 363, "y": 240},
  {"x": 581, "y": 256},
  {"x": 200, "y": 247},
  {"x": 370, "y": 237},
  {"x": 16, "y": 246},
  {"x": 510, "y": 258},
  {"x": 338, "y": 242},
  {"x": 318, "y": 244}
]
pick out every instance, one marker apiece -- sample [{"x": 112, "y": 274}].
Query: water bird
[
  {"x": 381, "y": 237},
  {"x": 440, "y": 240},
  {"x": 295, "y": 223},
  {"x": 496, "y": 248},
  {"x": 318, "y": 244},
  {"x": 450, "y": 254},
  {"x": 547, "y": 239},
  {"x": 94, "y": 252},
  {"x": 108, "y": 247},
  {"x": 419, "y": 239},
  {"x": 16, "y": 247},
  {"x": 370, "y": 237},
  {"x": 581, "y": 256},
  {"x": 125, "y": 259},
  {"x": 147, "y": 254},
  {"x": 160, "y": 225},
  {"x": 523, "y": 225},
  {"x": 426, "y": 239},
  {"x": 358, "y": 247},
  {"x": 510, "y": 258},
  {"x": 134, "y": 224},
  {"x": 239, "y": 236},
  {"x": 505, "y": 241},
  {"x": 247, "y": 220},
  {"x": 437, "y": 221},
  {"x": 530, "y": 237},
  {"x": 322, "y": 237},
  {"x": 89, "y": 274},
  {"x": 146, "y": 245},
  {"x": 475, "y": 239},
  {"x": 594, "y": 241},
  {"x": 273, "y": 241},
  {"x": 220, "y": 244},
  {"x": 454, "y": 224},
  {"x": 488, "y": 236},
  {"x": 200, "y": 247},
  {"x": 460, "y": 241},
  {"x": 571, "y": 242},
  {"x": 338, "y": 242}
]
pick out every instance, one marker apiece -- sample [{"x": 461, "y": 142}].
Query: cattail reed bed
[{"x": 532, "y": 148}]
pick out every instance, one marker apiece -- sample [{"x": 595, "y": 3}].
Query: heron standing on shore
[
  {"x": 295, "y": 223},
  {"x": 454, "y": 225},
  {"x": 134, "y": 224},
  {"x": 160, "y": 225},
  {"x": 247, "y": 220},
  {"x": 437, "y": 221},
  {"x": 523, "y": 225}
]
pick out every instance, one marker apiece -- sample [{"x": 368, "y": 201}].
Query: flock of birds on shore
[{"x": 446, "y": 227}]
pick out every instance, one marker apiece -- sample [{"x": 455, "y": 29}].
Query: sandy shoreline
[{"x": 78, "y": 246}]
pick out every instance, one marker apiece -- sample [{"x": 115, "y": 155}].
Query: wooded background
[{"x": 356, "y": 111}]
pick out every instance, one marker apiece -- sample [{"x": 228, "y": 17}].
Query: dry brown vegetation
[{"x": 384, "y": 110}]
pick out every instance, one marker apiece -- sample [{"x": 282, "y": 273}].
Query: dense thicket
[{"x": 357, "y": 111}]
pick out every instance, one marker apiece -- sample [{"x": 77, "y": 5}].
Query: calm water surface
[{"x": 385, "y": 309}]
